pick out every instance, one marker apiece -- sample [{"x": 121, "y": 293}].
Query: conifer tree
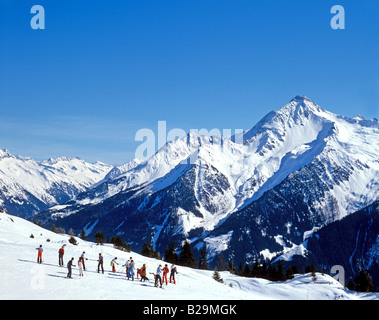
[
  {"x": 203, "y": 261},
  {"x": 170, "y": 254},
  {"x": 99, "y": 237},
  {"x": 147, "y": 250},
  {"x": 240, "y": 269},
  {"x": 221, "y": 262},
  {"x": 83, "y": 235},
  {"x": 246, "y": 270},
  {"x": 186, "y": 256},
  {"x": 363, "y": 282},
  {"x": 280, "y": 272},
  {"x": 255, "y": 271},
  {"x": 117, "y": 242},
  {"x": 231, "y": 267},
  {"x": 217, "y": 277}
]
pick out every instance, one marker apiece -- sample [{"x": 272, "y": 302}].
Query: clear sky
[{"x": 101, "y": 70}]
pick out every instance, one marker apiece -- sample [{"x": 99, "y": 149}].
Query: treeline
[
  {"x": 117, "y": 241},
  {"x": 184, "y": 256}
]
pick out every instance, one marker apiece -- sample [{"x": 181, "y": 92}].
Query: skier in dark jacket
[
  {"x": 100, "y": 264},
  {"x": 69, "y": 266},
  {"x": 172, "y": 274}
]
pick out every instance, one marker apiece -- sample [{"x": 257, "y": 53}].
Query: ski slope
[{"x": 23, "y": 278}]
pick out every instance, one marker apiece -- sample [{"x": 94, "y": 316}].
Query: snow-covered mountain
[
  {"x": 23, "y": 278},
  {"x": 28, "y": 187},
  {"x": 301, "y": 167},
  {"x": 352, "y": 242}
]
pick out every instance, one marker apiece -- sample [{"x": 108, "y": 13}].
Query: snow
[
  {"x": 23, "y": 278},
  {"x": 283, "y": 142},
  {"x": 48, "y": 180},
  {"x": 216, "y": 245}
]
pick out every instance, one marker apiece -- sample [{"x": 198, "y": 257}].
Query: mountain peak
[
  {"x": 299, "y": 98},
  {"x": 301, "y": 106},
  {"x": 52, "y": 161}
]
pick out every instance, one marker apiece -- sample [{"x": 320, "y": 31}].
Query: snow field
[{"x": 24, "y": 279}]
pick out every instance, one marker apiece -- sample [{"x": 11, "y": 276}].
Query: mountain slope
[
  {"x": 299, "y": 168},
  {"x": 352, "y": 242},
  {"x": 28, "y": 187},
  {"x": 47, "y": 281}
]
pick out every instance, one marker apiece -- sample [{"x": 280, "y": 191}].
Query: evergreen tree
[
  {"x": 99, "y": 237},
  {"x": 170, "y": 254},
  {"x": 221, "y": 262},
  {"x": 271, "y": 272},
  {"x": 246, "y": 270},
  {"x": 231, "y": 267},
  {"x": 53, "y": 228},
  {"x": 310, "y": 269},
  {"x": 263, "y": 271},
  {"x": 363, "y": 282},
  {"x": 280, "y": 275},
  {"x": 126, "y": 246},
  {"x": 117, "y": 242},
  {"x": 291, "y": 271},
  {"x": 147, "y": 250},
  {"x": 83, "y": 235},
  {"x": 255, "y": 271},
  {"x": 351, "y": 285},
  {"x": 186, "y": 256},
  {"x": 217, "y": 277},
  {"x": 203, "y": 261}
]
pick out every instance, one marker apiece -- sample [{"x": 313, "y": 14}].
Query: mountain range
[{"x": 295, "y": 172}]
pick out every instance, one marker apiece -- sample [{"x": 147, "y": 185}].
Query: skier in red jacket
[
  {"x": 61, "y": 253},
  {"x": 39, "y": 256},
  {"x": 166, "y": 270}
]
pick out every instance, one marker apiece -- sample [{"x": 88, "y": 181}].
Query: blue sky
[{"x": 101, "y": 70}]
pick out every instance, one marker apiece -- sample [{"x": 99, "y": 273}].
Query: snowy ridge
[
  {"x": 340, "y": 152},
  {"x": 23, "y": 278},
  {"x": 28, "y": 187}
]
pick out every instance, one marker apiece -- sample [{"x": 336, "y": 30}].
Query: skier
[
  {"x": 113, "y": 263},
  {"x": 131, "y": 270},
  {"x": 80, "y": 266},
  {"x": 127, "y": 265},
  {"x": 158, "y": 276},
  {"x": 143, "y": 273},
  {"x": 172, "y": 274},
  {"x": 69, "y": 266},
  {"x": 82, "y": 256},
  {"x": 39, "y": 255},
  {"x": 60, "y": 254},
  {"x": 100, "y": 264},
  {"x": 166, "y": 270}
]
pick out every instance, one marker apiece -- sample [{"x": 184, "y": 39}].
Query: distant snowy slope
[
  {"x": 23, "y": 278},
  {"x": 28, "y": 186}
]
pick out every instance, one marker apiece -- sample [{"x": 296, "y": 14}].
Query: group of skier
[
  {"x": 159, "y": 277},
  {"x": 164, "y": 272}
]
